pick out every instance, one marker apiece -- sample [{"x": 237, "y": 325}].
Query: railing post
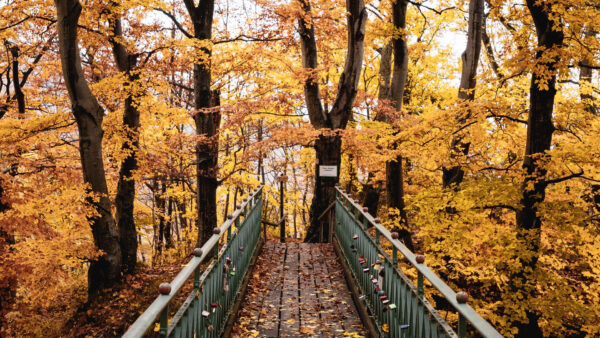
[
  {"x": 164, "y": 322},
  {"x": 282, "y": 180},
  {"x": 420, "y": 259},
  {"x": 462, "y": 326}
]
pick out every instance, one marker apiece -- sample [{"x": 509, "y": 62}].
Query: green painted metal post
[
  {"x": 282, "y": 180},
  {"x": 164, "y": 322},
  {"x": 420, "y": 291},
  {"x": 462, "y": 326},
  {"x": 197, "y": 278}
]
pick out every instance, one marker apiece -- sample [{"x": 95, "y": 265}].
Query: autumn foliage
[{"x": 519, "y": 231}]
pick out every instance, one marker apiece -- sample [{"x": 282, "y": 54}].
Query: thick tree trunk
[
  {"x": 328, "y": 150},
  {"x": 328, "y": 146},
  {"x": 124, "y": 201},
  {"x": 394, "y": 172},
  {"x": 453, "y": 176},
  {"x": 207, "y": 123},
  {"x": 539, "y": 137},
  {"x": 106, "y": 270},
  {"x": 207, "y": 151}
]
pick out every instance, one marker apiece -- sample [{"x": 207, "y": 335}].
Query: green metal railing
[
  {"x": 393, "y": 300},
  {"x": 205, "y": 311}
]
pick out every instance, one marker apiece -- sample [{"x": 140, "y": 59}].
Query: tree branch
[
  {"x": 179, "y": 26},
  {"x": 562, "y": 179}
]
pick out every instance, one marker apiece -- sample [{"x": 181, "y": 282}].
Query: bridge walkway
[{"x": 297, "y": 289}]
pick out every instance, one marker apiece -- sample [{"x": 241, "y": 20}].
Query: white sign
[{"x": 328, "y": 171}]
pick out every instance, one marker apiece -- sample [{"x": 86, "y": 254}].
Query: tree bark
[
  {"x": 106, "y": 270},
  {"x": 328, "y": 145},
  {"x": 454, "y": 175},
  {"x": 394, "y": 168},
  {"x": 371, "y": 189},
  {"x": 14, "y": 51},
  {"x": 124, "y": 201},
  {"x": 539, "y": 137},
  {"x": 207, "y": 123},
  {"x": 328, "y": 150}
]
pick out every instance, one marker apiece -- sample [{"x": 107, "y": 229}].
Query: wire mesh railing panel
[
  {"x": 398, "y": 307},
  {"x": 207, "y": 308}
]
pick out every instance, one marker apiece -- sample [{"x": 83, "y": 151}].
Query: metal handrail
[
  {"x": 160, "y": 305},
  {"x": 466, "y": 312}
]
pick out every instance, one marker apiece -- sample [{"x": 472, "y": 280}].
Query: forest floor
[{"x": 117, "y": 309}]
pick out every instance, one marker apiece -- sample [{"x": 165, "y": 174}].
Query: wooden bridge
[{"x": 351, "y": 287}]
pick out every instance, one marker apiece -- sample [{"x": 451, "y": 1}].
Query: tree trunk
[
  {"x": 124, "y": 201},
  {"x": 207, "y": 152},
  {"x": 106, "y": 270},
  {"x": 328, "y": 150},
  {"x": 372, "y": 190},
  {"x": 454, "y": 175},
  {"x": 539, "y": 137},
  {"x": 14, "y": 50},
  {"x": 207, "y": 123},
  {"x": 328, "y": 145},
  {"x": 394, "y": 172}
]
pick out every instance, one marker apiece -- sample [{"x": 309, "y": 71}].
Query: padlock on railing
[
  {"x": 225, "y": 278},
  {"x": 206, "y": 316}
]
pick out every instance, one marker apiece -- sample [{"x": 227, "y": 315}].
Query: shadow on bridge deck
[{"x": 297, "y": 289}]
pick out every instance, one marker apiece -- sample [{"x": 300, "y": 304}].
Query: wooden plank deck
[{"x": 297, "y": 289}]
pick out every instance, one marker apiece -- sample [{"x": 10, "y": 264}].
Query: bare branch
[{"x": 179, "y": 26}]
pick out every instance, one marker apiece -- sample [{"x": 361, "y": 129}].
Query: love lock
[
  {"x": 232, "y": 273},
  {"x": 205, "y": 314},
  {"x": 392, "y": 306},
  {"x": 355, "y": 236},
  {"x": 225, "y": 274},
  {"x": 214, "y": 307}
]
